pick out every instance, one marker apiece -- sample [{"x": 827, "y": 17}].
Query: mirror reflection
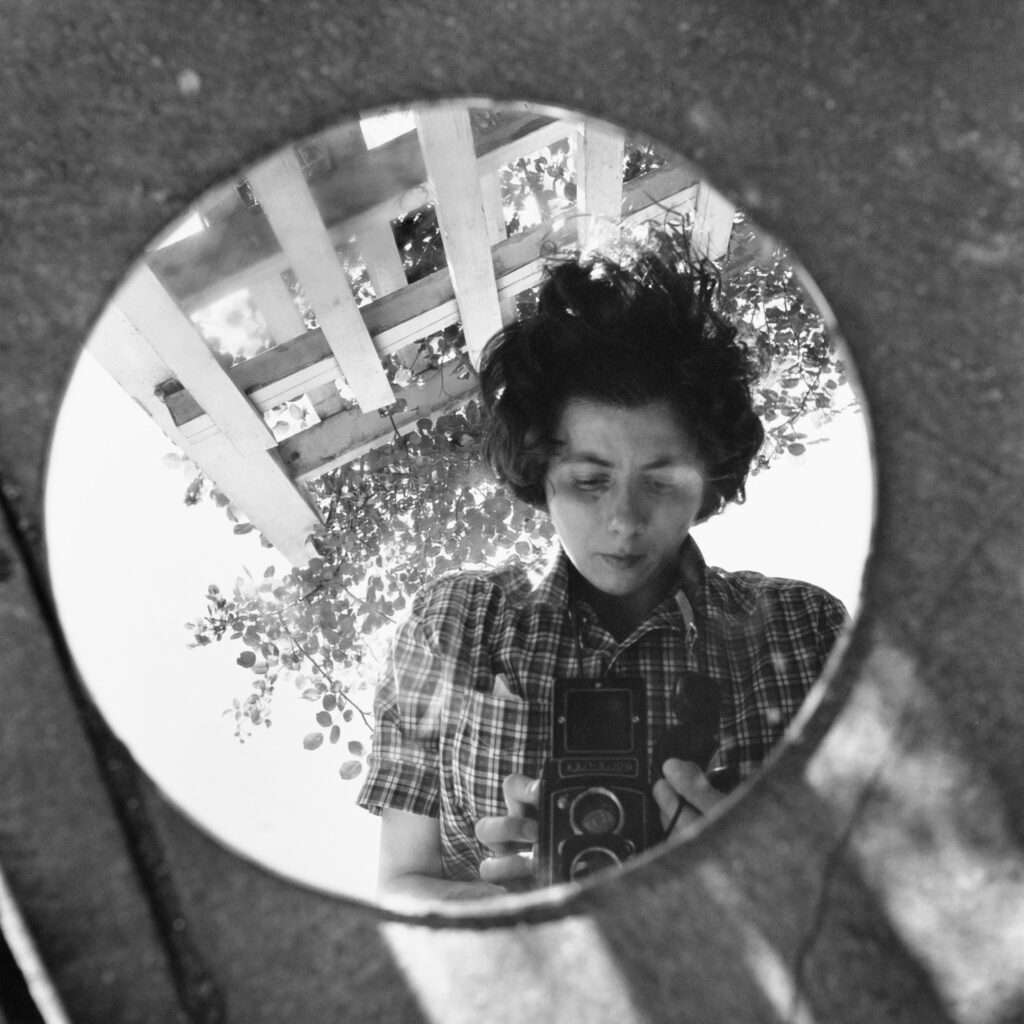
[{"x": 396, "y": 510}]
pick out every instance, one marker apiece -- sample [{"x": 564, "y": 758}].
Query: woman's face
[{"x": 623, "y": 489}]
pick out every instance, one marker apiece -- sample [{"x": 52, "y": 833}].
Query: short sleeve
[
  {"x": 412, "y": 704},
  {"x": 833, "y": 618}
]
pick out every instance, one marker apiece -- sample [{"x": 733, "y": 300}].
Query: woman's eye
[
  {"x": 659, "y": 486},
  {"x": 590, "y": 483}
]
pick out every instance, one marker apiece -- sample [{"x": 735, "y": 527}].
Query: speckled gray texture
[{"x": 884, "y": 142}]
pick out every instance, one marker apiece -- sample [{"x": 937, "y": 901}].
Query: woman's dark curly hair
[{"x": 626, "y": 330}]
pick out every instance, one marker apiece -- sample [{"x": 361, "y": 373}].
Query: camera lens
[
  {"x": 591, "y": 860},
  {"x": 596, "y": 812}
]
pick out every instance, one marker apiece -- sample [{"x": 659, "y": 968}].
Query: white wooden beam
[
  {"x": 264, "y": 491},
  {"x": 273, "y": 299},
  {"x": 494, "y": 211},
  {"x": 325, "y": 400},
  {"x": 116, "y": 344},
  {"x": 524, "y": 145},
  {"x": 342, "y": 438},
  {"x": 281, "y": 189},
  {"x": 256, "y": 484},
  {"x": 153, "y": 313},
  {"x": 376, "y": 243},
  {"x": 681, "y": 203},
  {"x": 598, "y": 183},
  {"x": 446, "y": 140},
  {"x": 713, "y": 217}
]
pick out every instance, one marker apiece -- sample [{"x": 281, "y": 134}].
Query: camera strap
[
  {"x": 696, "y": 695},
  {"x": 574, "y": 623}
]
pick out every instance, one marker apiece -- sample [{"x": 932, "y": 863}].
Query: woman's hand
[
  {"x": 511, "y": 837},
  {"x": 683, "y": 796}
]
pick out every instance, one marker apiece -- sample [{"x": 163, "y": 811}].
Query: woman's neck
[{"x": 621, "y": 614}]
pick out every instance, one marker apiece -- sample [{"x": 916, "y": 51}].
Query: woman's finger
[
  {"x": 674, "y": 811},
  {"x": 691, "y": 784},
  {"x": 521, "y": 793},
  {"x": 508, "y": 868},
  {"x": 506, "y": 833}
]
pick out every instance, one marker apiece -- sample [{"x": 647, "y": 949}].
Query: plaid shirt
[{"x": 465, "y": 697}]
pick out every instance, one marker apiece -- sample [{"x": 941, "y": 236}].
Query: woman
[{"x": 622, "y": 408}]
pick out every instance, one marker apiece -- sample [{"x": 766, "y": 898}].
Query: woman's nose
[{"x": 627, "y": 515}]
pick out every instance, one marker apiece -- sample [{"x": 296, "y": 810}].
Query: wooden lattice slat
[
  {"x": 159, "y": 323},
  {"x": 257, "y": 484},
  {"x": 274, "y": 301},
  {"x": 494, "y": 211},
  {"x": 348, "y": 435},
  {"x": 280, "y": 187},
  {"x": 376, "y": 242},
  {"x": 712, "y": 222},
  {"x": 598, "y": 182},
  {"x": 446, "y": 139}
]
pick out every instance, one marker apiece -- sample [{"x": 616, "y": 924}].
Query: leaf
[
  {"x": 350, "y": 769},
  {"x": 324, "y": 718},
  {"x": 335, "y": 733},
  {"x": 242, "y": 528},
  {"x": 796, "y": 449},
  {"x": 355, "y": 747},
  {"x": 246, "y": 659},
  {"x": 312, "y": 740}
]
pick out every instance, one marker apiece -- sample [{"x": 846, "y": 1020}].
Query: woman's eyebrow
[
  {"x": 669, "y": 462},
  {"x": 566, "y": 456},
  {"x": 590, "y": 458}
]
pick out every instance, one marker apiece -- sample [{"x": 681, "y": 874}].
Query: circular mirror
[{"x": 273, "y": 443}]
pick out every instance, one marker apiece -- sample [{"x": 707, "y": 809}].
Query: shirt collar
[{"x": 553, "y": 588}]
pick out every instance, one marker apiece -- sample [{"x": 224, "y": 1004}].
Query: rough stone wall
[{"x": 876, "y": 872}]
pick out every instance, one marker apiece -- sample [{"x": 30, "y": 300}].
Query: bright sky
[{"x": 130, "y": 565}]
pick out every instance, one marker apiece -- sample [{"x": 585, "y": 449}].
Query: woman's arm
[{"x": 410, "y": 861}]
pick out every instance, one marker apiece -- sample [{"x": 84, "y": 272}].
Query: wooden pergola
[{"x": 290, "y": 219}]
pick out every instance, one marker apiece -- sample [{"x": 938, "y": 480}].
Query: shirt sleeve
[
  {"x": 833, "y": 618},
  {"x": 410, "y": 710}
]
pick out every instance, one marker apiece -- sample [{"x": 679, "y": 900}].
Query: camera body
[{"x": 595, "y": 809}]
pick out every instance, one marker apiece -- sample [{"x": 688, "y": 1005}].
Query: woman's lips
[{"x": 622, "y": 561}]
